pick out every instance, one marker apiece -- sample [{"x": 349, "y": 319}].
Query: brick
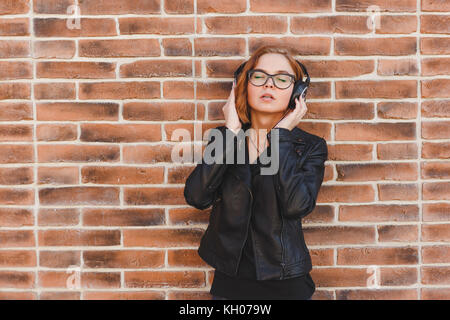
[
  {"x": 123, "y": 295},
  {"x": 178, "y": 90},
  {"x": 179, "y": 7},
  {"x": 437, "y": 150},
  {"x": 146, "y": 154},
  {"x": 16, "y": 217},
  {"x": 59, "y": 217},
  {"x": 437, "y": 275},
  {"x": 15, "y": 111},
  {"x": 54, "y": 91},
  {"x": 16, "y": 238},
  {"x": 14, "y": 7},
  {"x": 89, "y": 27},
  {"x": 79, "y": 195},
  {"x": 397, "y": 151},
  {"x": 156, "y": 195},
  {"x": 435, "y": 24},
  {"x": 11, "y": 70},
  {"x": 158, "y": 111},
  {"x": 185, "y": 258},
  {"x": 60, "y": 49},
  {"x": 17, "y": 279},
  {"x": 16, "y": 175},
  {"x": 396, "y": 24},
  {"x": 120, "y": 132},
  {"x": 333, "y": 235},
  {"x": 383, "y": 256},
  {"x": 17, "y": 258},
  {"x": 397, "y": 233},
  {"x": 377, "y": 294},
  {"x": 156, "y": 25},
  {"x": 14, "y": 27},
  {"x": 76, "y": 111},
  {"x": 340, "y": 277},
  {"x": 435, "y": 66},
  {"x": 219, "y": 46},
  {"x": 57, "y": 132},
  {"x": 436, "y": 212},
  {"x": 58, "y": 175},
  {"x": 401, "y": 276},
  {"x": 156, "y": 68},
  {"x": 246, "y": 24},
  {"x": 435, "y": 129},
  {"x": 394, "y": 191},
  {"x": 435, "y": 293},
  {"x": 124, "y": 259},
  {"x": 301, "y": 45},
  {"x": 119, "y": 48},
  {"x": 177, "y": 47},
  {"x": 164, "y": 279},
  {"x": 382, "y": 5},
  {"x": 434, "y": 45},
  {"x": 375, "y": 131},
  {"x": 377, "y": 171},
  {"x": 16, "y": 196},
  {"x": 329, "y": 24},
  {"x": 349, "y": 152},
  {"x": 122, "y": 175},
  {"x": 379, "y": 213},
  {"x": 162, "y": 237},
  {"x": 78, "y": 153},
  {"x": 52, "y": 6},
  {"x": 389, "y": 89},
  {"x": 397, "y": 110},
  {"x": 14, "y": 49},
  {"x": 188, "y": 216},
  {"x": 77, "y": 237},
  {"x": 12, "y": 132},
  {"x": 436, "y": 254},
  {"x": 435, "y": 232},
  {"x": 15, "y": 90},
  {"x": 212, "y": 6},
  {"x": 16, "y": 153},
  {"x": 435, "y": 108},
  {"x": 436, "y": 191},
  {"x": 339, "y": 68},
  {"x": 349, "y": 46},
  {"x": 435, "y": 88},
  {"x": 435, "y": 5},
  {"x": 396, "y": 67},
  {"x": 75, "y": 70},
  {"x": 120, "y": 90},
  {"x": 347, "y": 193},
  {"x": 116, "y": 7},
  {"x": 58, "y": 258}
]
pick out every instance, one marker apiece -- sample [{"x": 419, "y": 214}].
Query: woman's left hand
[{"x": 292, "y": 119}]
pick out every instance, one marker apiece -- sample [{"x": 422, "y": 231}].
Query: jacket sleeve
[
  {"x": 297, "y": 186},
  {"x": 203, "y": 182}
]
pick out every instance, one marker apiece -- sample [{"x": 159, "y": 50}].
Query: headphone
[{"x": 300, "y": 86}]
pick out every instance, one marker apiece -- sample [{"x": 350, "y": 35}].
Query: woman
[{"x": 254, "y": 238}]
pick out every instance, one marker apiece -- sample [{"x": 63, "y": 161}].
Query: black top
[{"x": 245, "y": 285}]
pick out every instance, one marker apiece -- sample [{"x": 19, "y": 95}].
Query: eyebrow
[{"x": 275, "y": 71}]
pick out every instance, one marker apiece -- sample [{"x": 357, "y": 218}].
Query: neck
[{"x": 262, "y": 120}]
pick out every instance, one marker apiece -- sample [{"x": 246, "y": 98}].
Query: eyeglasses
[{"x": 280, "y": 80}]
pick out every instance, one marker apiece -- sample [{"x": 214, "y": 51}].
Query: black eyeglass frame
[{"x": 250, "y": 72}]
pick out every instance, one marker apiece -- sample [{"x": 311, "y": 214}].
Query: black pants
[{"x": 222, "y": 298}]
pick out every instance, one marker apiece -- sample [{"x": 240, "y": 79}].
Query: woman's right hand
[{"x": 229, "y": 110}]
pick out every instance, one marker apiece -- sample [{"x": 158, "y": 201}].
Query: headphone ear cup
[{"x": 300, "y": 88}]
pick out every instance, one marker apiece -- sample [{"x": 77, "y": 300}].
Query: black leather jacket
[{"x": 227, "y": 187}]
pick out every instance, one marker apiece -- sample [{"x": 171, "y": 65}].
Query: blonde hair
[{"x": 241, "y": 102}]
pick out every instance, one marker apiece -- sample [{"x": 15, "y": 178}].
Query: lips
[{"x": 266, "y": 95}]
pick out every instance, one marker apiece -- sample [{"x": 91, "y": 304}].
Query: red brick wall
[{"x": 89, "y": 191}]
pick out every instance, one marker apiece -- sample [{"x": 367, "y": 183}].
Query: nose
[{"x": 267, "y": 82}]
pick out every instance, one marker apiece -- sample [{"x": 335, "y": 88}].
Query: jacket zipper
[
  {"x": 248, "y": 222},
  {"x": 281, "y": 236}
]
